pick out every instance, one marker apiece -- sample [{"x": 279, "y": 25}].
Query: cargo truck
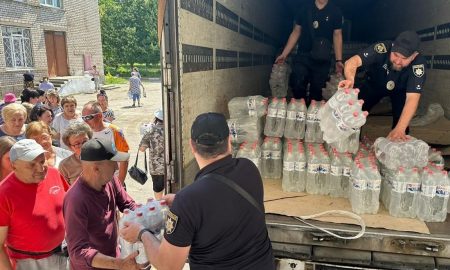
[{"x": 214, "y": 50}]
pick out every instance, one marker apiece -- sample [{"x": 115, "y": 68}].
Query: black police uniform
[
  {"x": 307, "y": 70},
  {"x": 383, "y": 81},
  {"x": 223, "y": 229}
]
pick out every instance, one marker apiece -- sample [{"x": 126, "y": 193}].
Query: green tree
[{"x": 129, "y": 31}]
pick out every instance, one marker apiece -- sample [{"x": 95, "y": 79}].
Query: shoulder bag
[{"x": 137, "y": 174}]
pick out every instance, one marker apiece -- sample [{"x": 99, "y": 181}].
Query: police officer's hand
[
  {"x": 397, "y": 134},
  {"x": 130, "y": 231},
  {"x": 346, "y": 84},
  {"x": 280, "y": 59},
  {"x": 339, "y": 68},
  {"x": 129, "y": 263},
  {"x": 169, "y": 198}
]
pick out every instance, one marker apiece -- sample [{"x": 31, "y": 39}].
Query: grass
[{"x": 110, "y": 79}]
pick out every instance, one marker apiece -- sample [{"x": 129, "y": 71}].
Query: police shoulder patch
[
  {"x": 171, "y": 222},
  {"x": 380, "y": 48},
  {"x": 418, "y": 70}
]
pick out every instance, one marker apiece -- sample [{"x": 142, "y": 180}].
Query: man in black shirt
[
  {"x": 208, "y": 220},
  {"x": 318, "y": 25},
  {"x": 394, "y": 69}
]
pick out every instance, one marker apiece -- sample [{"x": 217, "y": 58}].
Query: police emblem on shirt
[
  {"x": 315, "y": 24},
  {"x": 418, "y": 70},
  {"x": 380, "y": 48},
  {"x": 390, "y": 85},
  {"x": 171, "y": 222}
]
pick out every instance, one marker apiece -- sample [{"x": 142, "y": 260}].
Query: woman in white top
[
  {"x": 41, "y": 133},
  {"x": 62, "y": 120}
]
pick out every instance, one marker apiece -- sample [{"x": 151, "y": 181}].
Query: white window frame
[
  {"x": 51, "y": 3},
  {"x": 21, "y": 56}
]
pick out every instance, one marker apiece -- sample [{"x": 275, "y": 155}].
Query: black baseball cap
[
  {"x": 28, "y": 77},
  {"x": 100, "y": 149},
  {"x": 406, "y": 43},
  {"x": 209, "y": 128}
]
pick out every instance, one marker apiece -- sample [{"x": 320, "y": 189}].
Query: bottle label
[
  {"x": 374, "y": 184},
  {"x": 346, "y": 171},
  {"x": 399, "y": 187},
  {"x": 288, "y": 166},
  {"x": 300, "y": 116},
  {"x": 324, "y": 168},
  {"x": 313, "y": 168},
  {"x": 251, "y": 103},
  {"x": 413, "y": 187},
  {"x": 291, "y": 115},
  {"x": 272, "y": 112},
  {"x": 267, "y": 154},
  {"x": 300, "y": 166},
  {"x": 252, "y": 112},
  {"x": 233, "y": 129},
  {"x": 359, "y": 184},
  {"x": 276, "y": 154},
  {"x": 281, "y": 113},
  {"x": 429, "y": 191},
  {"x": 310, "y": 117},
  {"x": 442, "y": 191},
  {"x": 335, "y": 170}
]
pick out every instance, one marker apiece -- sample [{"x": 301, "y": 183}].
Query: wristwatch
[{"x": 143, "y": 231}]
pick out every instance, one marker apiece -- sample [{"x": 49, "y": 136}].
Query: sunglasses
[{"x": 89, "y": 117}]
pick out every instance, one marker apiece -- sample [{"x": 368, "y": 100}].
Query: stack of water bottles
[
  {"x": 279, "y": 79},
  {"x": 365, "y": 183},
  {"x": 294, "y": 166},
  {"x": 313, "y": 132},
  {"x": 152, "y": 216},
  {"x": 271, "y": 158},
  {"x": 409, "y": 154},
  {"x": 245, "y": 129},
  {"x": 338, "y": 181},
  {"x": 341, "y": 117},
  {"x": 251, "y": 151},
  {"x": 295, "y": 123},
  {"x": 255, "y": 106}
]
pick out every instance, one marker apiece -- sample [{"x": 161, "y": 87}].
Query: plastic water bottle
[
  {"x": 409, "y": 198},
  {"x": 372, "y": 197},
  {"x": 245, "y": 129},
  {"x": 280, "y": 119},
  {"x": 398, "y": 195},
  {"x": 424, "y": 208},
  {"x": 334, "y": 181},
  {"x": 300, "y": 168},
  {"x": 440, "y": 201},
  {"x": 271, "y": 119},
  {"x": 312, "y": 175},
  {"x": 126, "y": 248},
  {"x": 272, "y": 165},
  {"x": 277, "y": 158},
  {"x": 295, "y": 120},
  {"x": 255, "y": 106},
  {"x": 142, "y": 257},
  {"x": 310, "y": 122},
  {"x": 324, "y": 171},
  {"x": 266, "y": 156},
  {"x": 435, "y": 157},
  {"x": 288, "y": 182},
  {"x": 358, "y": 189}
]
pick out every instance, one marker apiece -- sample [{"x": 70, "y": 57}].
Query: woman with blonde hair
[
  {"x": 14, "y": 116},
  {"x": 41, "y": 133},
  {"x": 53, "y": 101},
  {"x": 6, "y": 143}
]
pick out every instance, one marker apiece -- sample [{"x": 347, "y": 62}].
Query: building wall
[{"x": 80, "y": 21}]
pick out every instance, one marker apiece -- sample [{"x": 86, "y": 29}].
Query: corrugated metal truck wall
[{"x": 226, "y": 49}]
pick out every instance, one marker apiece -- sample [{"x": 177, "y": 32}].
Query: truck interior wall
[
  {"x": 431, "y": 19},
  {"x": 220, "y": 60}
]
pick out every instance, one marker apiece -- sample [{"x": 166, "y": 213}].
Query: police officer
[
  {"x": 216, "y": 225},
  {"x": 394, "y": 69},
  {"x": 318, "y": 25}
]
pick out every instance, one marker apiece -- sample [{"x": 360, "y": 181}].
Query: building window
[
  {"x": 17, "y": 47},
  {"x": 53, "y": 3}
]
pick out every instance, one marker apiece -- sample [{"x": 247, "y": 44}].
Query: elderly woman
[
  {"x": 6, "y": 143},
  {"x": 108, "y": 114},
  {"x": 75, "y": 136},
  {"x": 42, "y": 113},
  {"x": 14, "y": 116},
  {"x": 53, "y": 101},
  {"x": 69, "y": 115},
  {"x": 41, "y": 133}
]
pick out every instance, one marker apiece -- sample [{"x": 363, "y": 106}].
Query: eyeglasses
[
  {"x": 89, "y": 117},
  {"x": 78, "y": 145}
]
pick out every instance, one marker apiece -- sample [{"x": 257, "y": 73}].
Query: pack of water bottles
[
  {"x": 408, "y": 154},
  {"x": 435, "y": 158},
  {"x": 365, "y": 183},
  {"x": 279, "y": 79},
  {"x": 271, "y": 158},
  {"x": 331, "y": 86},
  {"x": 294, "y": 166},
  {"x": 245, "y": 128},
  {"x": 415, "y": 192},
  {"x": 152, "y": 216},
  {"x": 276, "y": 118},
  {"x": 254, "y": 106},
  {"x": 252, "y": 151},
  {"x": 295, "y": 124},
  {"x": 313, "y": 133},
  {"x": 342, "y": 116}
]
